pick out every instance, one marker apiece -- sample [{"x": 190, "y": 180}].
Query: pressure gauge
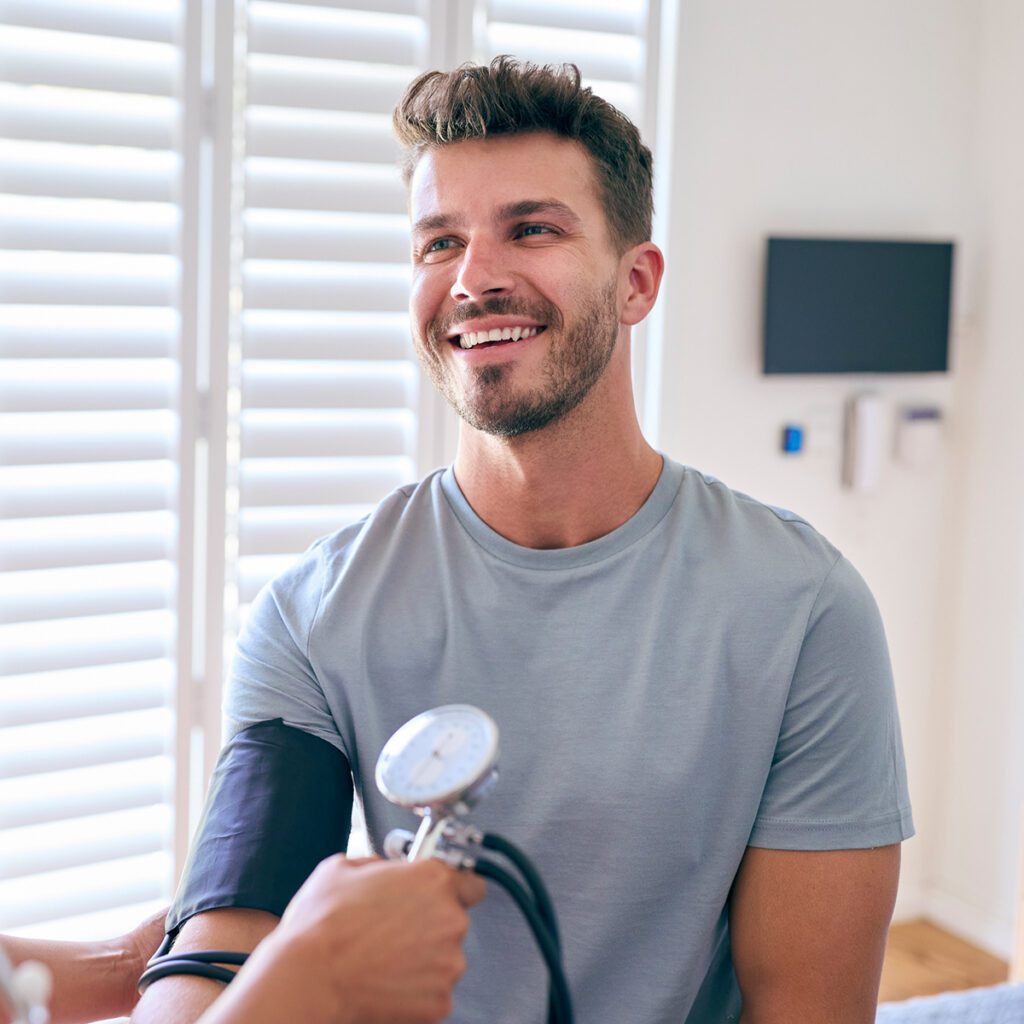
[{"x": 440, "y": 761}]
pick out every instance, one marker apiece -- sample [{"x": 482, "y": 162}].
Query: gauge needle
[{"x": 451, "y": 742}]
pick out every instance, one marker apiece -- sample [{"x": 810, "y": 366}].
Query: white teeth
[{"x": 472, "y": 338}]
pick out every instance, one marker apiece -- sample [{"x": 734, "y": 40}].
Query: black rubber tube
[
  {"x": 532, "y": 877},
  {"x": 559, "y": 1000},
  {"x": 184, "y": 965}
]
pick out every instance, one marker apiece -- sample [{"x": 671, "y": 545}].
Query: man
[{"x": 700, "y": 745}]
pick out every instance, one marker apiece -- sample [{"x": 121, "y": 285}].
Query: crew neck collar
[{"x": 638, "y": 525}]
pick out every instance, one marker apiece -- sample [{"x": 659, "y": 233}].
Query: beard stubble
[{"x": 575, "y": 361}]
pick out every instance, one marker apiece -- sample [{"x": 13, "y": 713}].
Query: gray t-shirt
[{"x": 709, "y": 676}]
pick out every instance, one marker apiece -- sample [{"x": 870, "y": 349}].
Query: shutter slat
[
  {"x": 285, "y": 530},
  {"x": 84, "y": 890},
  {"x": 320, "y": 135},
  {"x": 311, "y": 84},
  {"x": 69, "y": 540},
  {"x": 294, "y": 433},
  {"x": 321, "y": 481},
  {"x": 89, "y": 489},
  {"x": 31, "y": 57},
  {"x": 621, "y": 17},
  {"x": 153, "y": 21},
  {"x": 30, "y": 439},
  {"x": 340, "y": 385},
  {"x": 64, "y": 396},
  {"x": 299, "y": 284},
  {"x": 70, "y": 744},
  {"x": 86, "y": 226},
  {"x": 83, "y": 642},
  {"x": 56, "y": 170},
  {"x": 408, "y": 7},
  {"x": 598, "y": 56},
  {"x": 46, "y": 278},
  {"x": 68, "y": 332},
  {"x": 38, "y": 799},
  {"x": 79, "y": 693},
  {"x": 86, "y": 118},
  {"x": 276, "y": 235},
  {"x": 271, "y": 334},
  {"x": 311, "y": 185},
  {"x": 69, "y": 844},
  {"x": 92, "y": 590},
  {"x": 364, "y": 36}
]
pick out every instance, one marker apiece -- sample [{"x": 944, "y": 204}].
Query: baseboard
[
  {"x": 990, "y": 932},
  {"x": 910, "y": 905}
]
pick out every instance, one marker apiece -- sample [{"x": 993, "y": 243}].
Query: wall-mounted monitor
[{"x": 857, "y": 306}]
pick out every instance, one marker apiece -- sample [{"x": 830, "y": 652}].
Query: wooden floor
[{"x": 921, "y": 960}]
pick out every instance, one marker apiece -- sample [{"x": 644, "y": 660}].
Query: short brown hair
[{"x": 511, "y": 96}]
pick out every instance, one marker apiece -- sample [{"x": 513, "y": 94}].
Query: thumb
[{"x": 361, "y": 862}]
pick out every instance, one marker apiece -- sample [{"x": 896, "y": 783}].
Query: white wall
[
  {"x": 833, "y": 118},
  {"x": 980, "y": 770}
]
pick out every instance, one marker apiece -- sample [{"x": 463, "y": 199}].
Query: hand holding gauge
[{"x": 439, "y": 764}]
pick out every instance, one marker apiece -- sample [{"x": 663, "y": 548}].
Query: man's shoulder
[{"x": 732, "y": 520}]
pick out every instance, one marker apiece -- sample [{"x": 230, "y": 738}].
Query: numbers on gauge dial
[{"x": 443, "y": 754}]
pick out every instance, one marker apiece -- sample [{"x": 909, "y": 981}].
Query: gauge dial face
[{"x": 438, "y": 756}]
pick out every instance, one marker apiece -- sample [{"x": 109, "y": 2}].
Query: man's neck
[{"x": 561, "y": 486}]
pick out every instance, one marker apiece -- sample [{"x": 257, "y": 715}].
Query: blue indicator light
[{"x": 792, "y": 438}]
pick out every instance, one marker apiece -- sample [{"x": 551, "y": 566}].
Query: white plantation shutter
[
  {"x": 89, "y": 335},
  {"x": 328, "y": 382}
]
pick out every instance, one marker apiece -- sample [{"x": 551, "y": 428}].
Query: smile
[{"x": 474, "y": 338}]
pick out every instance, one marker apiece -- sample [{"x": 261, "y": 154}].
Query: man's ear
[{"x": 642, "y": 268}]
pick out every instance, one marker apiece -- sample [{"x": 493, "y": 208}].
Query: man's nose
[{"x": 482, "y": 273}]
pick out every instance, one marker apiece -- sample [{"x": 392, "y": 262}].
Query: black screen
[{"x": 838, "y": 306}]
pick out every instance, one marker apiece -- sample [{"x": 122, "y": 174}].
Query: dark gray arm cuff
[{"x": 280, "y": 801}]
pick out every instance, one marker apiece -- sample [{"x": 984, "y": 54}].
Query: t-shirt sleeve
[
  {"x": 838, "y": 776},
  {"x": 271, "y": 675}
]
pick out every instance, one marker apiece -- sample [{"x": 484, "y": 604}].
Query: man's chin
[{"x": 513, "y": 420}]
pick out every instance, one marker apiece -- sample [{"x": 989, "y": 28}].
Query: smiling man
[{"x": 700, "y": 745}]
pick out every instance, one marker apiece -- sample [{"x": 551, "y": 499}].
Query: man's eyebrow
[
  {"x": 436, "y": 222},
  {"x": 531, "y": 207},
  {"x": 510, "y": 211}
]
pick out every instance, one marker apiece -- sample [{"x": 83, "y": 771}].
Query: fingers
[
  {"x": 470, "y": 888},
  {"x": 466, "y": 887}
]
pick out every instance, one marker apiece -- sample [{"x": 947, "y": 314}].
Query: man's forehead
[{"x": 506, "y": 175}]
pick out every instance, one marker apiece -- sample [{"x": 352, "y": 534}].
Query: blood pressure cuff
[{"x": 280, "y": 801}]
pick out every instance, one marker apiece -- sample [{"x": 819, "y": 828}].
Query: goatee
[{"x": 575, "y": 361}]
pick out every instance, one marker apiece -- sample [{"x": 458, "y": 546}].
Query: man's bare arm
[
  {"x": 182, "y": 1000},
  {"x": 808, "y": 933},
  {"x": 362, "y": 942}
]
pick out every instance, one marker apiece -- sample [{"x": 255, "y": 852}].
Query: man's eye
[
  {"x": 534, "y": 229},
  {"x": 439, "y": 245}
]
